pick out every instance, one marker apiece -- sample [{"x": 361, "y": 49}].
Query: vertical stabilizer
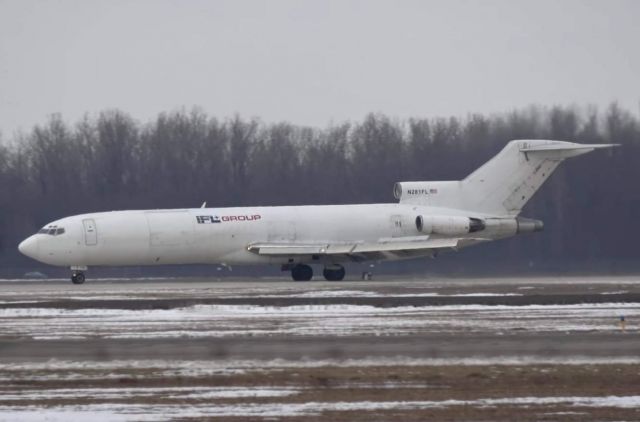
[{"x": 504, "y": 184}]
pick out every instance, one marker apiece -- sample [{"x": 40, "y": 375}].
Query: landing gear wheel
[
  {"x": 336, "y": 274},
  {"x": 301, "y": 272},
  {"x": 77, "y": 277}
]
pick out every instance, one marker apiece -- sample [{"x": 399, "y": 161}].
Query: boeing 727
[{"x": 428, "y": 218}]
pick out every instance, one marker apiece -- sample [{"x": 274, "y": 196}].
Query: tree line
[{"x": 182, "y": 158}]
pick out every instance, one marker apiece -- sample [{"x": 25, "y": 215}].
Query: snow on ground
[
  {"x": 363, "y": 293},
  {"x": 131, "y": 288},
  {"x": 137, "y": 412},
  {"x": 337, "y": 320},
  {"x": 141, "y": 392},
  {"x": 154, "y": 369},
  {"x": 371, "y": 294}
]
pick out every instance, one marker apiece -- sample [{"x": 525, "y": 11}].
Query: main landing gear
[
  {"x": 77, "y": 275},
  {"x": 302, "y": 272},
  {"x": 335, "y": 273}
]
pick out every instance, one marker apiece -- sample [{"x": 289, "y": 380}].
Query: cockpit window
[{"x": 51, "y": 230}]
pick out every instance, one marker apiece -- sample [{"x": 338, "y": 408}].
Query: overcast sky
[{"x": 313, "y": 62}]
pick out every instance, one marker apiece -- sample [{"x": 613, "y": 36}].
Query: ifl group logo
[{"x": 212, "y": 219}]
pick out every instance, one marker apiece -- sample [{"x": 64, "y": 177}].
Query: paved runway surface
[{"x": 388, "y": 349}]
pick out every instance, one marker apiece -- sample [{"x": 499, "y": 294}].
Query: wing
[{"x": 386, "y": 248}]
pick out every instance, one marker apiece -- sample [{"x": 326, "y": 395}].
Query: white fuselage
[
  {"x": 221, "y": 235},
  {"x": 431, "y": 216}
]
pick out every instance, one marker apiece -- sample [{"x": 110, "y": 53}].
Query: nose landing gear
[{"x": 77, "y": 275}]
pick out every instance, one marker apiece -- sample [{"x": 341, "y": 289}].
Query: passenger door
[{"x": 90, "y": 232}]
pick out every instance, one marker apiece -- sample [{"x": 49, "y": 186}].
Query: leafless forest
[{"x": 591, "y": 205}]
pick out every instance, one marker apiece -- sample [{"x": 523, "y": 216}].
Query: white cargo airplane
[{"x": 430, "y": 217}]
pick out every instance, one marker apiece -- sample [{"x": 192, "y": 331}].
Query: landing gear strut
[
  {"x": 301, "y": 272},
  {"x": 334, "y": 273},
  {"x": 77, "y": 277}
]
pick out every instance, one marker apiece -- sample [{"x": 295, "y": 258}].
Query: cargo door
[{"x": 172, "y": 229}]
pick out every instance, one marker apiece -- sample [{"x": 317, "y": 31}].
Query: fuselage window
[{"x": 59, "y": 231}]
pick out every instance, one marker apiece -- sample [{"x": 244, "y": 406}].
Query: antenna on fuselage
[{"x": 204, "y": 204}]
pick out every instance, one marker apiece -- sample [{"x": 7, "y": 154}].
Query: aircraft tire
[
  {"x": 77, "y": 278},
  {"x": 334, "y": 275},
  {"x": 301, "y": 272}
]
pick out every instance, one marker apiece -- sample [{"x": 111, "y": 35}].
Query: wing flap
[
  {"x": 386, "y": 247},
  {"x": 287, "y": 249},
  {"x": 398, "y": 244}
]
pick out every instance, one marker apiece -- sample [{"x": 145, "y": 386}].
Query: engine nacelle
[{"x": 448, "y": 225}]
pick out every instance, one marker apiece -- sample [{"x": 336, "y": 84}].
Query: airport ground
[{"x": 412, "y": 349}]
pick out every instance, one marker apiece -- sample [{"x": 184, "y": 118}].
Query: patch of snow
[
  {"x": 127, "y": 412},
  {"x": 195, "y": 368},
  {"x": 61, "y": 414},
  {"x": 118, "y": 393},
  {"x": 338, "y": 319}
]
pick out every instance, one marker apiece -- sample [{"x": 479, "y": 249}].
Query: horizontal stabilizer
[
  {"x": 567, "y": 147},
  {"x": 558, "y": 151}
]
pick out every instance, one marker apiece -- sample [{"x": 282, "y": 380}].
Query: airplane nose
[{"x": 29, "y": 247}]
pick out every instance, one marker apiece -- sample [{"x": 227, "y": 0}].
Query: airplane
[{"x": 430, "y": 217}]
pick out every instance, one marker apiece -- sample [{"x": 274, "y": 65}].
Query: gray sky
[{"x": 313, "y": 62}]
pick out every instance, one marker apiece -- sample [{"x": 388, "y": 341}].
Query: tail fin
[{"x": 503, "y": 185}]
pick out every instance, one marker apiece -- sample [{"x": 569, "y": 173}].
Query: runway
[{"x": 262, "y": 349}]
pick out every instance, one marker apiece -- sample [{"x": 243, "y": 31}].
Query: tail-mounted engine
[{"x": 448, "y": 225}]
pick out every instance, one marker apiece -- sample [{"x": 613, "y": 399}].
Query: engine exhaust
[{"x": 529, "y": 225}]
